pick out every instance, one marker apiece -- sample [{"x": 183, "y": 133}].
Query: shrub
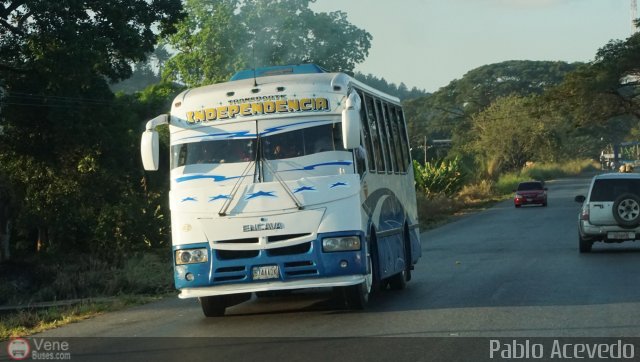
[{"x": 444, "y": 177}]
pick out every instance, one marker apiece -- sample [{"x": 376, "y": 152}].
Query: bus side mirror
[
  {"x": 350, "y": 128},
  {"x": 150, "y": 143},
  {"x": 150, "y": 150},
  {"x": 351, "y": 122}
]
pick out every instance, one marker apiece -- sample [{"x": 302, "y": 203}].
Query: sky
[{"x": 428, "y": 43}]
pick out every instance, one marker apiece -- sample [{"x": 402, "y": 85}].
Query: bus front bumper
[{"x": 340, "y": 281}]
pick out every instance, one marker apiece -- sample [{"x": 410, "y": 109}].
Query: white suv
[{"x": 611, "y": 211}]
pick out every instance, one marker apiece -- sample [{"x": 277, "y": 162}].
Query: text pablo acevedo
[{"x": 526, "y": 349}]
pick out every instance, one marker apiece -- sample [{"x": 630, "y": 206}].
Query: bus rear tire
[{"x": 399, "y": 281}]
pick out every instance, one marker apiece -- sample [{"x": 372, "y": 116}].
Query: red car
[{"x": 530, "y": 192}]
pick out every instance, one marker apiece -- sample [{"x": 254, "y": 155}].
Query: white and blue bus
[{"x": 285, "y": 178}]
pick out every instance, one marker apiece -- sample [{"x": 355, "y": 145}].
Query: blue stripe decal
[
  {"x": 260, "y": 194},
  {"x": 189, "y": 199},
  {"x": 304, "y": 188},
  {"x": 215, "y": 178},
  {"x": 219, "y": 197},
  {"x": 223, "y": 135},
  {"x": 248, "y": 134},
  {"x": 335, "y": 163},
  {"x": 285, "y": 126},
  {"x": 339, "y": 183}
]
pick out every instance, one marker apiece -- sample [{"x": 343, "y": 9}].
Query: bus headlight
[
  {"x": 191, "y": 256},
  {"x": 343, "y": 243}
]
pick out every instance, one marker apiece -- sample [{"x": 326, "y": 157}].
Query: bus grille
[
  {"x": 239, "y": 241},
  {"x": 290, "y": 250},
  {"x": 276, "y": 238},
  {"x": 229, "y": 274},
  {"x": 236, "y": 254},
  {"x": 300, "y": 268}
]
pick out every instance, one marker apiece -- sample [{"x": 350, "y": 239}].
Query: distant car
[
  {"x": 530, "y": 193},
  {"x": 611, "y": 210}
]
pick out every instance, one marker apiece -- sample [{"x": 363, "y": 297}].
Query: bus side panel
[
  {"x": 412, "y": 217},
  {"x": 387, "y": 216}
]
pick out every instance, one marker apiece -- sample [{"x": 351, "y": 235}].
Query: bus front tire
[
  {"x": 216, "y": 305},
  {"x": 357, "y": 296}
]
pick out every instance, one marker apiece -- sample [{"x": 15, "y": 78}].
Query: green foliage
[
  {"x": 510, "y": 132},
  {"x": 401, "y": 91},
  {"x": 221, "y": 37},
  {"x": 444, "y": 177},
  {"x": 447, "y": 113},
  {"x": 74, "y": 39},
  {"x": 145, "y": 73},
  {"x": 68, "y": 146}
]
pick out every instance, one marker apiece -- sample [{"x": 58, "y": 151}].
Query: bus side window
[
  {"x": 384, "y": 143},
  {"x": 366, "y": 134},
  {"x": 392, "y": 143},
  {"x": 397, "y": 145},
  {"x": 403, "y": 139},
  {"x": 360, "y": 156},
  {"x": 375, "y": 135}
]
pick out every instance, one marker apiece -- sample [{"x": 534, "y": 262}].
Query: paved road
[{"x": 503, "y": 272}]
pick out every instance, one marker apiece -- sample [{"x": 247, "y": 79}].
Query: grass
[
  {"x": 25, "y": 322},
  {"x": 98, "y": 285},
  {"x": 548, "y": 171}
]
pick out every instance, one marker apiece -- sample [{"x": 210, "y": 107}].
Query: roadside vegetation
[
  {"x": 72, "y": 291},
  {"x": 80, "y": 219},
  {"x": 438, "y": 203}
]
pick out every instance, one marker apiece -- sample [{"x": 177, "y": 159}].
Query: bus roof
[
  {"x": 282, "y": 83},
  {"x": 278, "y": 70}
]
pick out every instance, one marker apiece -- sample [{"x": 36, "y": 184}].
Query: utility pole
[
  {"x": 634, "y": 16},
  {"x": 425, "y": 150}
]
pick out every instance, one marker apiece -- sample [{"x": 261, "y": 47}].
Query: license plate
[
  {"x": 266, "y": 272},
  {"x": 529, "y": 200},
  {"x": 621, "y": 235}
]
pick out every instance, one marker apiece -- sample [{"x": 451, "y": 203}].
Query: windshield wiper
[
  {"x": 283, "y": 184},
  {"x": 234, "y": 190}
]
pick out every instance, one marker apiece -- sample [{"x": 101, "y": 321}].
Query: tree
[
  {"x": 509, "y": 133},
  {"x": 448, "y": 112},
  {"x": 400, "y": 91},
  {"x": 145, "y": 73},
  {"x": 223, "y": 36},
  {"x": 64, "y": 136},
  {"x": 600, "y": 101}
]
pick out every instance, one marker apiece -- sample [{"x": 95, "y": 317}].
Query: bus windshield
[{"x": 301, "y": 142}]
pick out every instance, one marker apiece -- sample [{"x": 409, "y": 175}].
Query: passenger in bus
[
  {"x": 277, "y": 152},
  {"x": 285, "y": 151}
]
